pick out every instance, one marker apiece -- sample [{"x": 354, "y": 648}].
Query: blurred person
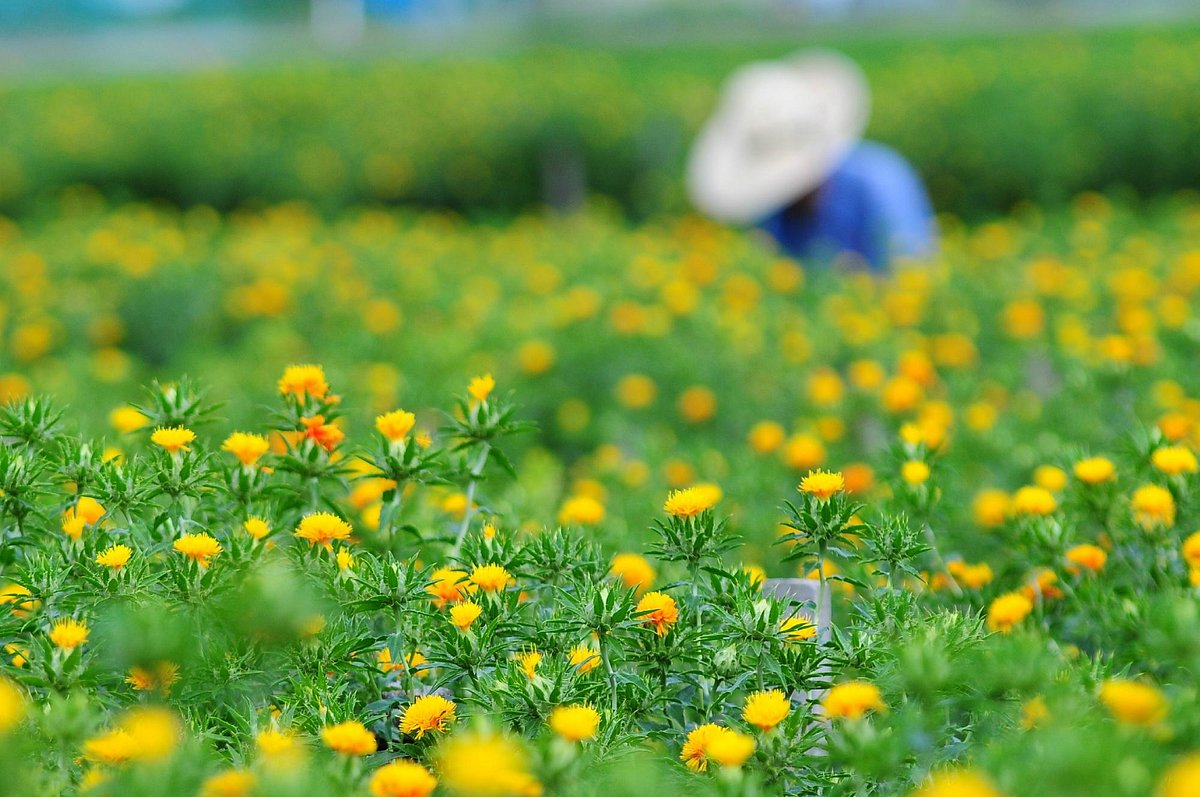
[{"x": 783, "y": 151}]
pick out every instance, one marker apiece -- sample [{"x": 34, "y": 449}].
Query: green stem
[{"x": 476, "y": 471}]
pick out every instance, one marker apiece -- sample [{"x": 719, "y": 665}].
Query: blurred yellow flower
[
  {"x": 1133, "y": 702},
  {"x": 852, "y": 700},
  {"x": 350, "y": 738},
  {"x": 402, "y": 779},
  {"x": 1007, "y": 611},
  {"x": 1095, "y": 470}
]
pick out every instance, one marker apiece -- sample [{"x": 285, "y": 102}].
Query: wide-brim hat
[{"x": 779, "y": 131}]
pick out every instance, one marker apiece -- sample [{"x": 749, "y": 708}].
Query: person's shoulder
[{"x": 870, "y": 156}]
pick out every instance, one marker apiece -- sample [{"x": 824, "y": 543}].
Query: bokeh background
[{"x": 412, "y": 192}]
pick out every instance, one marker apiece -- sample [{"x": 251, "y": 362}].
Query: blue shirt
[{"x": 873, "y": 205}]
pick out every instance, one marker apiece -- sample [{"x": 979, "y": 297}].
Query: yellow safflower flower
[
  {"x": 957, "y": 783},
  {"x": 658, "y": 610},
  {"x": 1095, "y": 470},
  {"x": 69, "y": 633},
  {"x": 402, "y": 779},
  {"x": 427, "y": 714},
  {"x": 174, "y": 439},
  {"x": 199, "y": 547},
  {"x": 395, "y": 425},
  {"x": 575, "y": 723},
  {"x": 1031, "y": 500},
  {"x": 852, "y": 700},
  {"x": 463, "y": 614},
  {"x": 350, "y": 738},
  {"x": 1153, "y": 505},
  {"x": 115, "y": 557},
  {"x": 691, "y": 502},
  {"x": 1174, "y": 460},
  {"x": 491, "y": 577},
  {"x": 247, "y": 447},
  {"x": 1008, "y": 610},
  {"x": 322, "y": 528},
  {"x": 304, "y": 380},
  {"x": 1133, "y": 702},
  {"x": 764, "y": 710},
  {"x": 823, "y": 485},
  {"x": 634, "y": 570}
]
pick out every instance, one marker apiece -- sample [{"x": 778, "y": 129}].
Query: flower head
[
  {"x": 230, "y": 783},
  {"x": 278, "y": 746},
  {"x": 731, "y": 749},
  {"x": 463, "y": 614},
  {"x": 448, "y": 585},
  {"x": 326, "y": 435},
  {"x": 574, "y": 723},
  {"x": 200, "y": 547},
  {"x": 584, "y": 510},
  {"x": 395, "y": 425},
  {"x": 1153, "y": 505},
  {"x": 127, "y": 419},
  {"x": 658, "y": 610},
  {"x": 323, "y": 528},
  {"x": 1133, "y": 702},
  {"x": 491, "y": 577},
  {"x": 915, "y": 472},
  {"x": 764, "y": 710},
  {"x": 257, "y": 528},
  {"x": 822, "y": 485},
  {"x": 529, "y": 661},
  {"x": 991, "y": 508},
  {"x": 797, "y": 629},
  {"x": 69, "y": 633},
  {"x": 1174, "y": 460},
  {"x": 12, "y": 705},
  {"x": 957, "y": 783},
  {"x": 1190, "y": 550},
  {"x": 1095, "y": 470},
  {"x": 115, "y": 557},
  {"x": 692, "y": 501},
  {"x": 695, "y": 748},
  {"x": 853, "y": 699},
  {"x": 349, "y": 738},
  {"x": 634, "y": 570},
  {"x": 485, "y": 764},
  {"x": 163, "y": 675},
  {"x": 1008, "y": 610},
  {"x": 304, "y": 380},
  {"x": 1088, "y": 557},
  {"x": 1031, "y": 500},
  {"x": 18, "y": 596},
  {"x": 402, "y": 779},
  {"x": 426, "y": 714},
  {"x": 1182, "y": 779},
  {"x": 481, "y": 387},
  {"x": 584, "y": 658},
  {"x": 248, "y": 448},
  {"x": 174, "y": 439}
]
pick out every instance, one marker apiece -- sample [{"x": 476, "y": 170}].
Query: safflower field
[{"x": 302, "y": 498}]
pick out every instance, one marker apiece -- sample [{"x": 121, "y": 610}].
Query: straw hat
[{"x": 779, "y": 131}]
